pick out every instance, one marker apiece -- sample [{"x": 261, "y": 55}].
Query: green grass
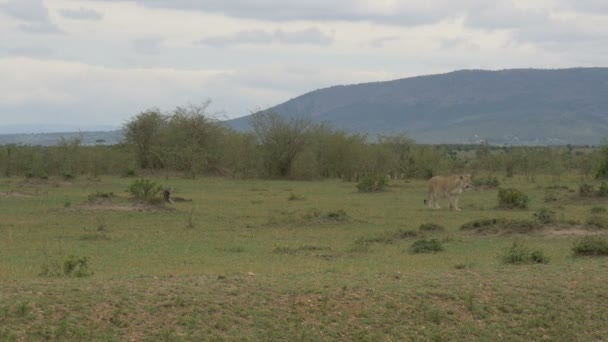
[{"x": 245, "y": 261}]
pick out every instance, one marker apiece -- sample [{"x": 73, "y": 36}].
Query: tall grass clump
[
  {"x": 71, "y": 267},
  {"x": 545, "y": 216},
  {"x": 519, "y": 254},
  {"x": 510, "y": 198},
  {"x": 426, "y": 246},
  {"x": 594, "y": 245},
  {"x": 431, "y": 227}
]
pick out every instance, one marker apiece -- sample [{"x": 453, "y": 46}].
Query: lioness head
[{"x": 465, "y": 181}]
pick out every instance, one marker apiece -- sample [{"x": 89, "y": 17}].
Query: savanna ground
[{"x": 286, "y": 260}]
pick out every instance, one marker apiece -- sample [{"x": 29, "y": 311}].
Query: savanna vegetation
[{"x": 297, "y": 231}]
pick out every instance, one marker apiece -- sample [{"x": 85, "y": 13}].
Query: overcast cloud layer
[{"x": 98, "y": 62}]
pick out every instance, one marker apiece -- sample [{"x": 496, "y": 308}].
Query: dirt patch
[
  {"x": 15, "y": 194},
  {"x": 568, "y": 231},
  {"x": 108, "y": 205},
  {"x": 484, "y": 188}
]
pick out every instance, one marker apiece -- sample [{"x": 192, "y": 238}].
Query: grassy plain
[{"x": 286, "y": 260}]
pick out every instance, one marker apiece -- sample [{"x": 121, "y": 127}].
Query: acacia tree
[
  {"x": 281, "y": 139},
  {"x": 144, "y": 133},
  {"x": 401, "y": 147},
  {"x": 193, "y": 135}
]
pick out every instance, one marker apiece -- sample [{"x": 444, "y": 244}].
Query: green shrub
[
  {"x": 431, "y": 227},
  {"x": 512, "y": 199},
  {"x": 590, "y": 246},
  {"x": 598, "y": 210},
  {"x": 145, "y": 190},
  {"x": 426, "y": 246},
  {"x": 545, "y": 216},
  {"x": 519, "y": 254},
  {"x": 372, "y": 184}
]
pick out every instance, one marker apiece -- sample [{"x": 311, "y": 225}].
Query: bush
[
  {"x": 372, "y": 184},
  {"x": 512, "y": 199},
  {"x": 426, "y": 246},
  {"x": 431, "y": 227},
  {"x": 545, "y": 216},
  {"x": 145, "y": 190},
  {"x": 519, "y": 254},
  {"x": 590, "y": 246}
]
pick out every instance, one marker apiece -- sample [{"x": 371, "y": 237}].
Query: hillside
[
  {"x": 46, "y": 139},
  {"x": 519, "y": 106}
]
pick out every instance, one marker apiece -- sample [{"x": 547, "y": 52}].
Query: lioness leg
[
  {"x": 454, "y": 203},
  {"x": 435, "y": 201},
  {"x": 432, "y": 201}
]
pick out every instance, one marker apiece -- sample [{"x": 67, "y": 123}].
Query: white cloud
[
  {"x": 117, "y": 57},
  {"x": 310, "y": 36},
  {"x": 33, "y": 16},
  {"x": 81, "y": 14}
]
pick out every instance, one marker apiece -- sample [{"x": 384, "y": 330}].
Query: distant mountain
[
  {"x": 518, "y": 106},
  {"x": 53, "y": 128},
  {"x": 46, "y": 139}
]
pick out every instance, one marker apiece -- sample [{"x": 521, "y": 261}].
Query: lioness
[{"x": 447, "y": 186}]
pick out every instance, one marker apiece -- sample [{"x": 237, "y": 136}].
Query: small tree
[
  {"x": 281, "y": 139},
  {"x": 602, "y": 170}
]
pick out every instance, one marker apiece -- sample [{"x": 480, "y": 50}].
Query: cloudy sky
[{"x": 96, "y": 63}]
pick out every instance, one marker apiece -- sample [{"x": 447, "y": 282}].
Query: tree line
[{"x": 189, "y": 140}]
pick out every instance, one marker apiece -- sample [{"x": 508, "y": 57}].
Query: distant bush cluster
[
  {"x": 192, "y": 141},
  {"x": 488, "y": 182}
]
